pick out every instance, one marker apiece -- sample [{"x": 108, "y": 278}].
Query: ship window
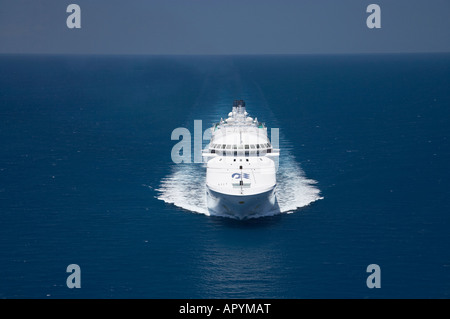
[
  {"x": 247, "y": 154},
  {"x": 267, "y": 144},
  {"x": 241, "y": 147},
  {"x": 228, "y": 147},
  {"x": 257, "y": 145},
  {"x": 234, "y": 146},
  {"x": 235, "y": 153},
  {"x": 261, "y": 145},
  {"x": 252, "y": 146},
  {"x": 223, "y": 146},
  {"x": 246, "y": 146}
]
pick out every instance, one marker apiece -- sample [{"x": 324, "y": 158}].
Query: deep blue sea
[{"x": 86, "y": 177}]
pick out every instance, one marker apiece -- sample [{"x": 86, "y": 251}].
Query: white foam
[
  {"x": 185, "y": 187},
  {"x": 294, "y": 190}
]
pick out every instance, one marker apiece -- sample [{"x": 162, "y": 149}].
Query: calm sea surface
[{"x": 86, "y": 177}]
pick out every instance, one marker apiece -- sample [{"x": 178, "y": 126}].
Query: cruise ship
[{"x": 240, "y": 167}]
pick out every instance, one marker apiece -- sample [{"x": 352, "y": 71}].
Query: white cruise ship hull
[
  {"x": 242, "y": 206},
  {"x": 240, "y": 167}
]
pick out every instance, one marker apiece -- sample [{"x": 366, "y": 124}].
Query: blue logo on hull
[{"x": 238, "y": 176}]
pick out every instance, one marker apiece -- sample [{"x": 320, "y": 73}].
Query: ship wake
[{"x": 185, "y": 186}]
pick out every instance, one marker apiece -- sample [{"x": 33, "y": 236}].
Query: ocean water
[{"x": 86, "y": 177}]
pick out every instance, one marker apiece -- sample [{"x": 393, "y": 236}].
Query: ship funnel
[
  {"x": 239, "y": 106},
  {"x": 240, "y": 103}
]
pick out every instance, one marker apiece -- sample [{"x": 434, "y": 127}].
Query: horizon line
[{"x": 217, "y": 54}]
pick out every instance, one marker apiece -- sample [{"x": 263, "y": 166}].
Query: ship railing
[{"x": 271, "y": 152}]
